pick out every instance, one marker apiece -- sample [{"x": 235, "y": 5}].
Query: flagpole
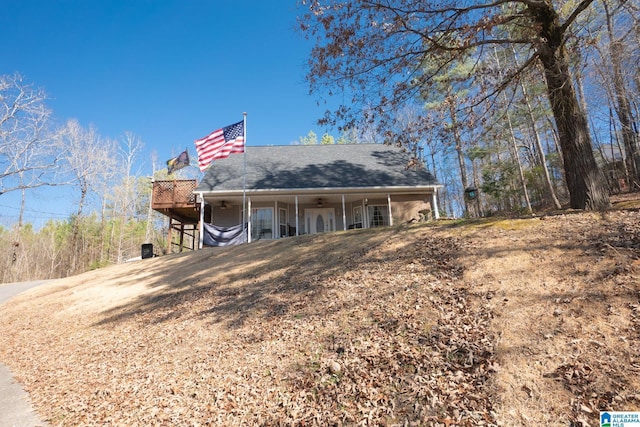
[{"x": 244, "y": 179}]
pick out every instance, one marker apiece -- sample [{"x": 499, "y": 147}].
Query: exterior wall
[
  {"x": 410, "y": 208},
  {"x": 358, "y": 214},
  {"x": 228, "y": 217}
]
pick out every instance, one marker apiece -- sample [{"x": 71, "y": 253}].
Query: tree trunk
[
  {"x": 23, "y": 198},
  {"x": 586, "y": 183},
  {"x": 516, "y": 158},
  {"x": 543, "y": 156},
  {"x": 622, "y": 104},
  {"x": 73, "y": 265},
  {"x": 614, "y": 141},
  {"x": 460, "y": 153},
  {"x": 536, "y": 136}
]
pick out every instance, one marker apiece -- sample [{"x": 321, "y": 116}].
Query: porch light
[
  {"x": 319, "y": 203},
  {"x": 223, "y": 205}
]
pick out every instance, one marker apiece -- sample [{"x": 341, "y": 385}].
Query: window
[
  {"x": 262, "y": 223},
  {"x": 357, "y": 217},
  {"x": 282, "y": 221},
  {"x": 378, "y": 215}
]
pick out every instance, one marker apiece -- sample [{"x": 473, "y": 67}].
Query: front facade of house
[{"x": 308, "y": 189}]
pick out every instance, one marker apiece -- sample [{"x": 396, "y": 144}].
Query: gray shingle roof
[{"x": 291, "y": 167}]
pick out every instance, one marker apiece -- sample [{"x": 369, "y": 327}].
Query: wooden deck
[{"x": 176, "y": 200}]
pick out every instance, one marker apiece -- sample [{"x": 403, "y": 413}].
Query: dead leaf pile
[
  {"x": 421, "y": 356},
  {"x": 531, "y": 321}
]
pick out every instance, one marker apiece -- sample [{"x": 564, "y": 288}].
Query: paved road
[
  {"x": 9, "y": 290},
  {"x": 15, "y": 407}
]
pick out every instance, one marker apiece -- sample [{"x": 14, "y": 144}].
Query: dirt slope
[{"x": 519, "y": 322}]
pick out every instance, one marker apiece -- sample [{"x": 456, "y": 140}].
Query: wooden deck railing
[{"x": 174, "y": 194}]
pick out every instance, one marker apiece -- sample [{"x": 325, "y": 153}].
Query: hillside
[{"x": 494, "y": 322}]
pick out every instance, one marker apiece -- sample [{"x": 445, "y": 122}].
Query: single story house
[{"x": 306, "y": 189}]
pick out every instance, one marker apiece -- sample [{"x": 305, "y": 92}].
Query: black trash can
[{"x": 147, "y": 250}]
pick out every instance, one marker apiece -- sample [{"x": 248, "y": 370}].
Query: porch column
[
  {"x": 250, "y": 217},
  {"x": 390, "y": 214},
  {"x": 201, "y": 223},
  {"x": 170, "y": 235},
  {"x": 344, "y": 215},
  {"x": 365, "y": 213},
  {"x": 434, "y": 203},
  {"x": 275, "y": 234},
  {"x": 297, "y": 225},
  {"x": 181, "y": 236}
]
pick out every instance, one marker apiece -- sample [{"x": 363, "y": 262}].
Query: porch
[{"x": 273, "y": 216}]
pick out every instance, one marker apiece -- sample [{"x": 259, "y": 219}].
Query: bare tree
[
  {"x": 623, "y": 96},
  {"x": 448, "y": 93},
  {"x": 27, "y": 146},
  {"x": 127, "y": 193},
  {"x": 375, "y": 51},
  {"x": 89, "y": 160}
]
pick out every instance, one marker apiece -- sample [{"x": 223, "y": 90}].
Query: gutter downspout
[{"x": 390, "y": 214}]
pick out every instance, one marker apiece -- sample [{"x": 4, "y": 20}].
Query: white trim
[{"x": 328, "y": 190}]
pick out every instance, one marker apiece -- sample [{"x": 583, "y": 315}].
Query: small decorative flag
[
  {"x": 178, "y": 163},
  {"x": 219, "y": 144}
]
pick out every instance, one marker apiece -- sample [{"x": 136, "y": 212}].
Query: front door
[{"x": 320, "y": 220}]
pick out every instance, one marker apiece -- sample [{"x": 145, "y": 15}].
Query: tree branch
[
  {"x": 581, "y": 7},
  {"x": 505, "y": 82}
]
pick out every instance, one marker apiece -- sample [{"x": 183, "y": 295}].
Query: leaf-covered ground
[{"x": 494, "y": 322}]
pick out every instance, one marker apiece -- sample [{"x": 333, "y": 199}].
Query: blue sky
[{"x": 168, "y": 71}]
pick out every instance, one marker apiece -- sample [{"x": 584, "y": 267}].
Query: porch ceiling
[{"x": 328, "y": 197}]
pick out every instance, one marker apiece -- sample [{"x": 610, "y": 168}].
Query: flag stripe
[
  {"x": 219, "y": 151},
  {"x": 220, "y": 144}
]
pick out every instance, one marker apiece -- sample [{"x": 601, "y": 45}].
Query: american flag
[{"x": 219, "y": 144}]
